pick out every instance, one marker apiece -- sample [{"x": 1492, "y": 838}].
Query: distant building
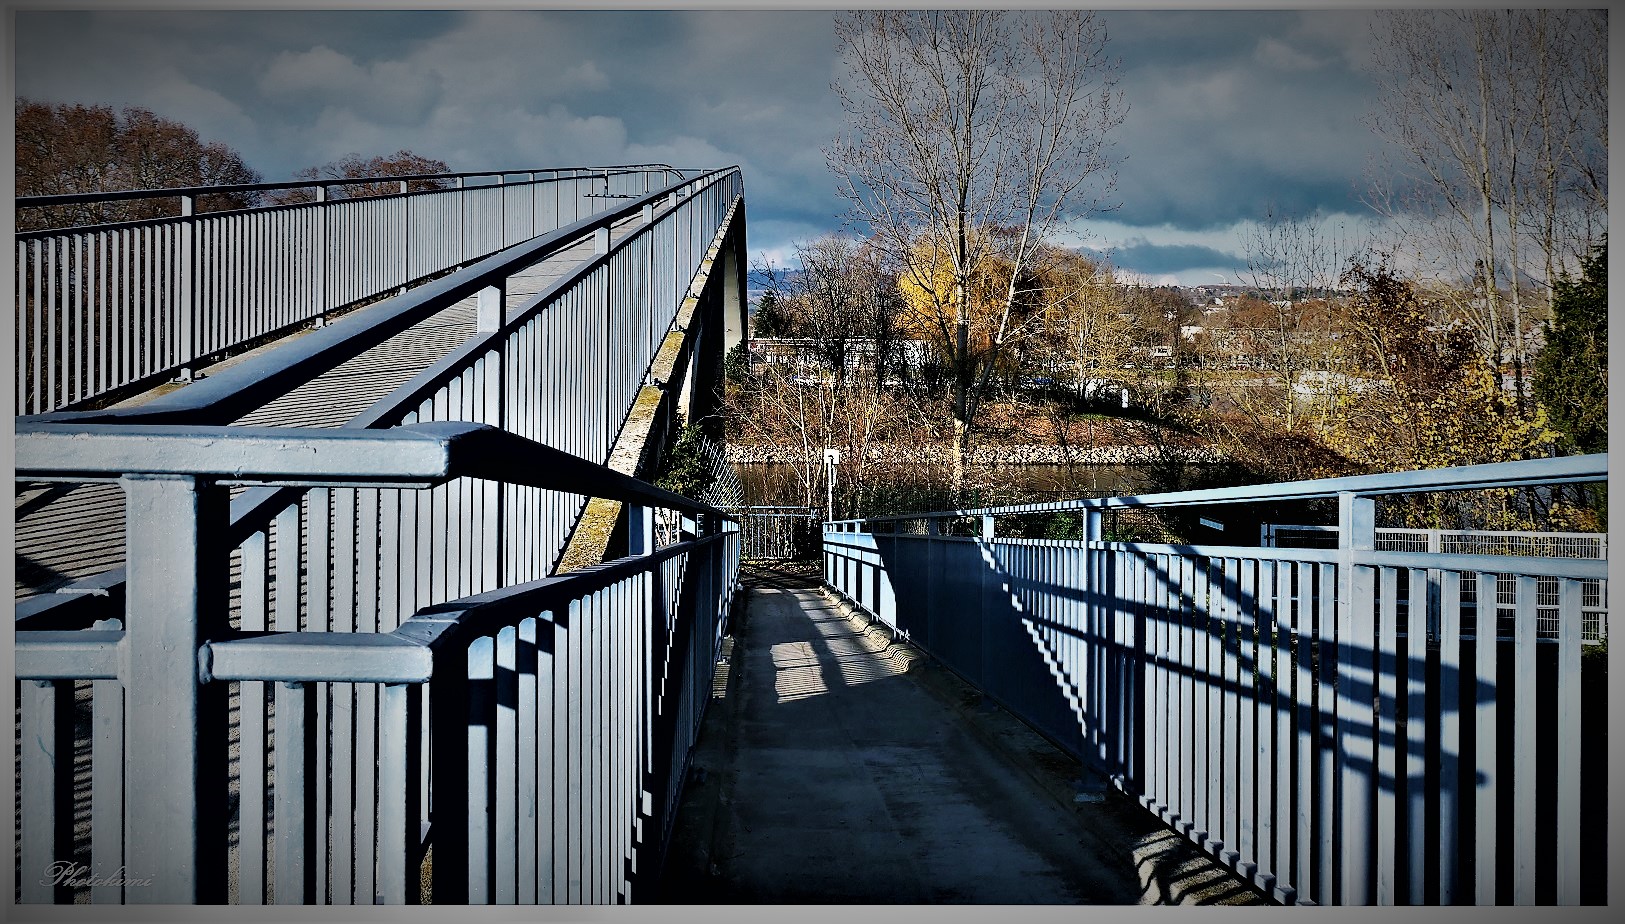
[{"x": 805, "y": 353}]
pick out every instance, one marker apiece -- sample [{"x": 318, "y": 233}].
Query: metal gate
[{"x": 779, "y": 533}]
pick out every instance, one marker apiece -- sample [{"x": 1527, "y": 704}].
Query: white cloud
[
  {"x": 388, "y": 91},
  {"x": 587, "y": 76},
  {"x": 1278, "y": 55}
]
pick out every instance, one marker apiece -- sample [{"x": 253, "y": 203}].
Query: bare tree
[
  {"x": 842, "y": 307},
  {"x": 845, "y": 301},
  {"x": 1499, "y": 121},
  {"x": 1291, "y": 260},
  {"x": 972, "y": 142}
]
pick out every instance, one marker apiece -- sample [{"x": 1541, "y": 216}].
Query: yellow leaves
[{"x": 934, "y": 301}]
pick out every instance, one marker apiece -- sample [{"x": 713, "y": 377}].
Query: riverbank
[{"x": 1021, "y": 454}]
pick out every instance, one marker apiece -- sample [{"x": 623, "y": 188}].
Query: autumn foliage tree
[
  {"x": 1420, "y": 394},
  {"x": 72, "y": 148}
]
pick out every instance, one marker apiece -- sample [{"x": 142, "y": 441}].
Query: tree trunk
[{"x": 961, "y": 458}]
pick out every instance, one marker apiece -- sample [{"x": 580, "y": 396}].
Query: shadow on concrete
[{"x": 841, "y": 766}]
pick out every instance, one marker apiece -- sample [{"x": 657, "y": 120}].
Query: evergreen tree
[
  {"x": 1571, "y": 372},
  {"x": 770, "y": 320}
]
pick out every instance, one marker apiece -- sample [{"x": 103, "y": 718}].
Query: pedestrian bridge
[{"x": 340, "y": 579}]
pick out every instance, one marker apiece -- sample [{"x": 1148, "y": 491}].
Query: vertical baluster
[
  {"x": 530, "y": 791},
  {"x": 1308, "y": 833},
  {"x": 317, "y": 541},
  {"x": 176, "y": 599},
  {"x": 83, "y": 289},
  {"x": 1486, "y": 700},
  {"x": 1326, "y": 847},
  {"x": 1167, "y": 641},
  {"x": 1185, "y": 753},
  {"x": 481, "y": 812},
  {"x": 572, "y": 831},
  {"x": 596, "y": 791},
  {"x": 1416, "y": 729},
  {"x": 1243, "y": 707},
  {"x": 1203, "y": 771},
  {"x": 107, "y": 781},
  {"x": 505, "y": 757},
  {"x": 1387, "y": 733},
  {"x": 397, "y": 806},
  {"x": 368, "y": 537},
  {"x": 1526, "y": 789},
  {"x": 96, "y": 361},
  {"x": 1569, "y": 708},
  {"x": 46, "y": 782},
  {"x": 618, "y": 736},
  {"x": 1282, "y": 679},
  {"x": 251, "y": 719},
  {"x": 1218, "y": 765},
  {"x": 55, "y": 290},
  {"x": 1260, "y": 790},
  {"x": 558, "y": 832},
  {"x": 125, "y": 322},
  {"x": 291, "y": 726},
  {"x": 24, "y": 349},
  {"x": 1451, "y": 846},
  {"x": 342, "y": 699}
]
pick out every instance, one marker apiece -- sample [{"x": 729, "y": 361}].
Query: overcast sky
[{"x": 1230, "y": 112}]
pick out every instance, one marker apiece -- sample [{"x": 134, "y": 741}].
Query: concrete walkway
[{"x": 837, "y": 766}]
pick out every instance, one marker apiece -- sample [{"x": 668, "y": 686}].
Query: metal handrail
[
  {"x": 1561, "y": 470},
  {"x": 190, "y": 191},
  {"x": 419, "y": 455},
  {"x": 406, "y": 654}
]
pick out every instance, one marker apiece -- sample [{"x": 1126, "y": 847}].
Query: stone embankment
[{"x": 922, "y": 454}]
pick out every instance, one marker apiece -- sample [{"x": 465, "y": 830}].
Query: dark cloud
[
  {"x": 1231, "y": 112},
  {"x": 1168, "y": 259}
]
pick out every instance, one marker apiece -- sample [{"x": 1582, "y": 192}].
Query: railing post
[
  {"x": 1095, "y": 608},
  {"x": 406, "y": 237},
  {"x": 176, "y": 763},
  {"x": 319, "y": 258},
  {"x": 489, "y": 314},
  {"x": 189, "y": 290},
  {"x": 640, "y": 529},
  {"x": 1356, "y": 688}
]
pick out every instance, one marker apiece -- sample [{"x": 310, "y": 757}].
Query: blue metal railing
[
  {"x": 638, "y": 283},
  {"x": 353, "y": 636},
  {"x": 601, "y": 675},
  {"x": 106, "y": 307},
  {"x": 1332, "y": 724}
]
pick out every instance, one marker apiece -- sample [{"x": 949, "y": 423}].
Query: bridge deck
[
  {"x": 64, "y": 532},
  {"x": 841, "y": 767}
]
